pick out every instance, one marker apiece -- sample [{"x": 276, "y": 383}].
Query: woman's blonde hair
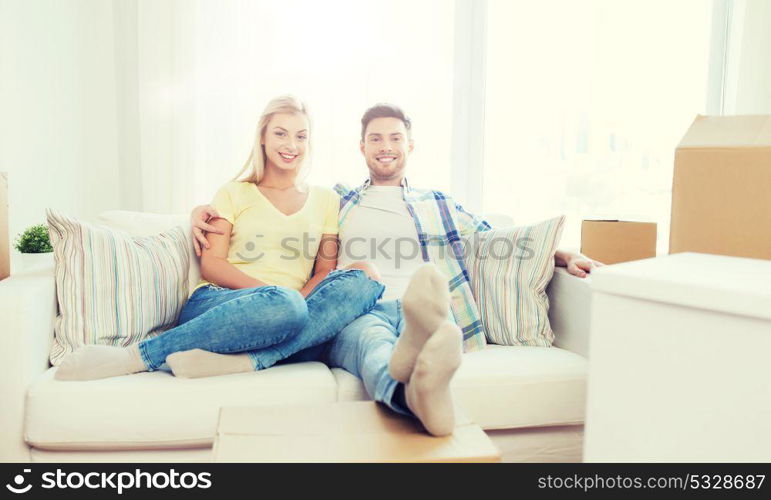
[{"x": 254, "y": 168}]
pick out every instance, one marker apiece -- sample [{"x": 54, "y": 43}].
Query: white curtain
[
  {"x": 585, "y": 101},
  {"x": 205, "y": 69}
]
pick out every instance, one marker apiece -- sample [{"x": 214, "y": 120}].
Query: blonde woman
[{"x": 270, "y": 288}]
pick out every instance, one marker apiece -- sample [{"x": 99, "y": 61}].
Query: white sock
[
  {"x": 197, "y": 363},
  {"x": 100, "y": 361},
  {"x": 425, "y": 304},
  {"x": 428, "y": 392}
]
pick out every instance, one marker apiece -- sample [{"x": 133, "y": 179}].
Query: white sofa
[{"x": 530, "y": 400}]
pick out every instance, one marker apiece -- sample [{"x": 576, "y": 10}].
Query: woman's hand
[
  {"x": 326, "y": 262},
  {"x": 575, "y": 263},
  {"x": 199, "y": 219},
  {"x": 215, "y": 267}
]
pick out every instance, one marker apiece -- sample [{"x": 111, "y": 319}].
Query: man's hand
[
  {"x": 580, "y": 265},
  {"x": 199, "y": 219},
  {"x": 575, "y": 263}
]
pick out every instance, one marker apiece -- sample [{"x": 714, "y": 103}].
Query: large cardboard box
[
  {"x": 5, "y": 249},
  {"x": 614, "y": 241},
  {"x": 362, "y": 431},
  {"x": 721, "y": 192}
]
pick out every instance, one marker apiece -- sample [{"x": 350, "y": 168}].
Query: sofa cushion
[
  {"x": 114, "y": 289},
  {"x": 148, "y": 224},
  {"x": 510, "y": 269},
  {"x": 505, "y": 387},
  {"x": 349, "y": 386},
  {"x": 152, "y": 410}
]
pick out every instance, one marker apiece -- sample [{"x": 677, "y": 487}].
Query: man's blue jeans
[
  {"x": 269, "y": 323},
  {"x": 364, "y": 348}
]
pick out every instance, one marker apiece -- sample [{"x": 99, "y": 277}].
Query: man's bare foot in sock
[
  {"x": 426, "y": 305},
  {"x": 92, "y": 362},
  {"x": 197, "y": 363},
  {"x": 428, "y": 391}
]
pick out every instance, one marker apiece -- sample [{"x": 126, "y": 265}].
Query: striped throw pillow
[
  {"x": 114, "y": 289},
  {"x": 510, "y": 269}
]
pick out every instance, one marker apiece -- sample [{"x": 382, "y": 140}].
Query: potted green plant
[{"x": 35, "y": 246}]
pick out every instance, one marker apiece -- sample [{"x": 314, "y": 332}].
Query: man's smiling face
[{"x": 385, "y": 147}]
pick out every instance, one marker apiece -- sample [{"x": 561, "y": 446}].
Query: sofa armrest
[
  {"x": 569, "y": 308},
  {"x": 27, "y": 314}
]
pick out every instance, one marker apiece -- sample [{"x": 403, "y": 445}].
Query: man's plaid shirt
[{"x": 441, "y": 224}]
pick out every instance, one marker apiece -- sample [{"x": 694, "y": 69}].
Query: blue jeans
[
  {"x": 364, "y": 348},
  {"x": 269, "y": 323}
]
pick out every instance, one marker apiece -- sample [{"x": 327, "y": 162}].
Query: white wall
[
  {"x": 58, "y": 127},
  {"x": 748, "y": 71},
  {"x": 754, "y": 83}
]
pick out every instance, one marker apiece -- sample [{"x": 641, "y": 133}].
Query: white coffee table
[{"x": 680, "y": 361}]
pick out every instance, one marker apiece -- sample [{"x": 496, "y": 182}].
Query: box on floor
[{"x": 614, "y": 241}]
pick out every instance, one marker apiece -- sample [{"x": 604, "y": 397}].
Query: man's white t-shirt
[{"x": 380, "y": 229}]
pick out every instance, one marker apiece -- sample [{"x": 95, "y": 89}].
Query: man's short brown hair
[{"x": 384, "y": 110}]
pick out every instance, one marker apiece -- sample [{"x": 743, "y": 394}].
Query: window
[{"x": 585, "y": 104}]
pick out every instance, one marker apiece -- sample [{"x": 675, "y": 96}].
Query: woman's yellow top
[{"x": 268, "y": 245}]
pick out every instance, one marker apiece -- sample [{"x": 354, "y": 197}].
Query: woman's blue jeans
[{"x": 269, "y": 323}]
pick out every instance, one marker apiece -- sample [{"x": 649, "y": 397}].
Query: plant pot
[{"x": 31, "y": 261}]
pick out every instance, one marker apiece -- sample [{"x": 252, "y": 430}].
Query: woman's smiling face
[{"x": 286, "y": 140}]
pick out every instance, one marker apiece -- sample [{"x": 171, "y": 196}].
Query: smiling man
[
  {"x": 407, "y": 349},
  {"x": 385, "y": 143}
]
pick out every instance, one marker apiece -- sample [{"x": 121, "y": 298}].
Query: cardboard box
[
  {"x": 342, "y": 432},
  {"x": 614, "y": 241},
  {"x": 5, "y": 243},
  {"x": 722, "y": 187}
]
